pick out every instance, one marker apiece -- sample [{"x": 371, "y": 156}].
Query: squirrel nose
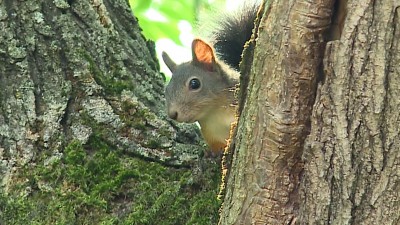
[{"x": 173, "y": 114}]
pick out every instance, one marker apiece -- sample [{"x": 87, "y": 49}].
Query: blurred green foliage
[{"x": 160, "y": 18}]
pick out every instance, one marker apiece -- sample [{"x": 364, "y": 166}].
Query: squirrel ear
[
  {"x": 168, "y": 61},
  {"x": 203, "y": 54}
]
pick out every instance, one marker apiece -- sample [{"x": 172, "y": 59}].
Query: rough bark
[
  {"x": 352, "y": 155},
  {"x": 81, "y": 111},
  {"x": 347, "y": 170},
  {"x": 263, "y": 184}
]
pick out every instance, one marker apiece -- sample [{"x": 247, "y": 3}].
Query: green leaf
[
  {"x": 140, "y": 6},
  {"x": 174, "y": 11},
  {"x": 186, "y": 11},
  {"x": 155, "y": 30}
]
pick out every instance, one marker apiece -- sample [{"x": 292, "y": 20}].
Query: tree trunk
[
  {"x": 82, "y": 122},
  {"x": 332, "y": 160},
  {"x": 352, "y": 153}
]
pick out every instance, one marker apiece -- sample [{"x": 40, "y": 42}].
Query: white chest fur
[{"x": 217, "y": 125}]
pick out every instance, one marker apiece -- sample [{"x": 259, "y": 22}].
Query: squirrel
[{"x": 202, "y": 89}]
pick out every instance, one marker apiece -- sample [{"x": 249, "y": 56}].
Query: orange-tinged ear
[{"x": 203, "y": 54}]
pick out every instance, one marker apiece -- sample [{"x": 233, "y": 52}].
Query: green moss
[
  {"x": 97, "y": 184},
  {"x": 135, "y": 116},
  {"x": 114, "y": 82},
  {"x": 153, "y": 143}
]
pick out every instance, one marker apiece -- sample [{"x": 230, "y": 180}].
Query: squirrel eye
[{"x": 194, "y": 84}]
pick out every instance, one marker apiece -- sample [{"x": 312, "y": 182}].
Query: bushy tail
[{"x": 230, "y": 31}]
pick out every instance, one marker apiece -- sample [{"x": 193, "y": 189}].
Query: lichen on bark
[{"x": 82, "y": 116}]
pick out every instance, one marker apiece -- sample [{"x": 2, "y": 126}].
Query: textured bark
[
  {"x": 335, "y": 160},
  {"x": 74, "y": 71},
  {"x": 62, "y": 64},
  {"x": 352, "y": 157},
  {"x": 263, "y": 184}
]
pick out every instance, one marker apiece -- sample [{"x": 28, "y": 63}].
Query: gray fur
[{"x": 193, "y": 105}]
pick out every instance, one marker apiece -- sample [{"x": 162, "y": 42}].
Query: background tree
[
  {"x": 83, "y": 134},
  {"x": 318, "y": 138}
]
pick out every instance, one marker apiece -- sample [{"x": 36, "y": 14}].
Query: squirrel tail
[{"x": 230, "y": 31}]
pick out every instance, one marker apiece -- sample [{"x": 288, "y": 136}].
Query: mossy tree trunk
[
  {"x": 319, "y": 135},
  {"x": 83, "y": 134}
]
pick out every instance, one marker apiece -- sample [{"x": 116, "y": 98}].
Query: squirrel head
[{"x": 198, "y": 87}]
